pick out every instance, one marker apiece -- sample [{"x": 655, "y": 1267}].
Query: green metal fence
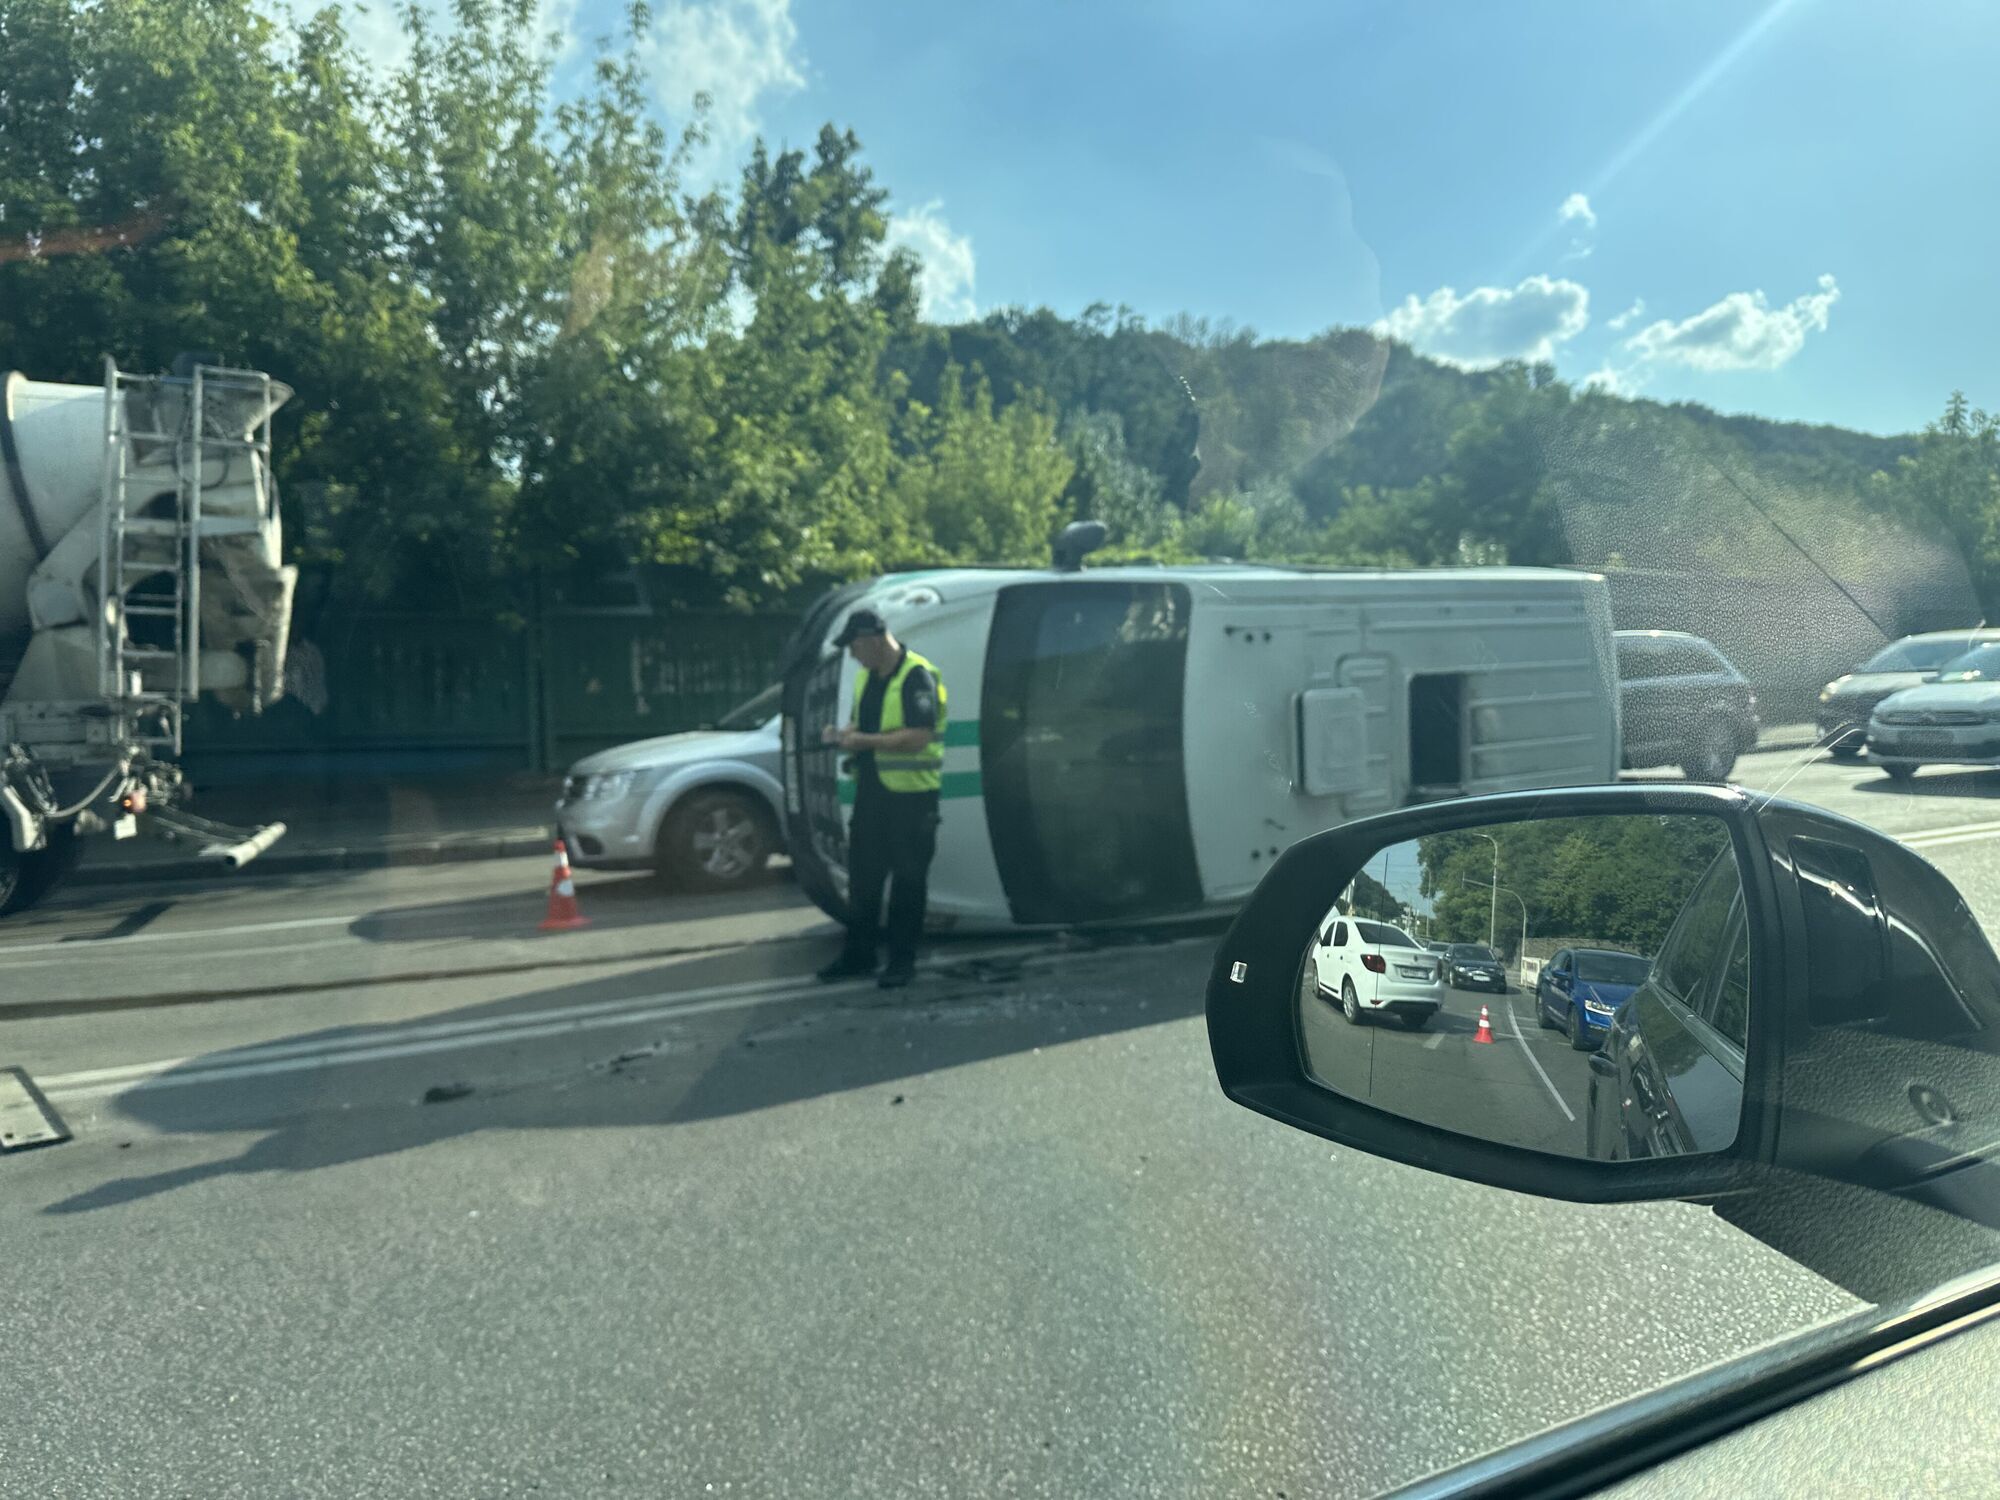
[{"x": 384, "y": 694}]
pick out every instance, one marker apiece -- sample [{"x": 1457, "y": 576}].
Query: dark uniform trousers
[{"x": 892, "y": 839}]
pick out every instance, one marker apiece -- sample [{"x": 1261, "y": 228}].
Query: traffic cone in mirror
[
  {"x": 563, "y": 914},
  {"x": 1485, "y": 1031}
]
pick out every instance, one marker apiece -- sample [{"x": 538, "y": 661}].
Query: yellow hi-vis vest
[{"x": 906, "y": 770}]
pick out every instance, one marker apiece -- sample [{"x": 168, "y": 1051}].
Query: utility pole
[{"x": 1493, "y": 907}]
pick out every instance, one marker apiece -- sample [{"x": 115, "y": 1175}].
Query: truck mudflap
[{"x": 227, "y": 845}]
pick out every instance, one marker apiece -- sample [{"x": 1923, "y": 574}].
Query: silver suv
[{"x": 704, "y": 808}]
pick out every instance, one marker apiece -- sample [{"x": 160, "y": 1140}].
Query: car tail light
[{"x": 1374, "y": 963}]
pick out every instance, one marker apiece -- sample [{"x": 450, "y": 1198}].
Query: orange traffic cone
[
  {"x": 1485, "y": 1031},
  {"x": 563, "y": 914}
]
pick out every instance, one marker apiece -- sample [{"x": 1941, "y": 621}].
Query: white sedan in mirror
[{"x": 1373, "y": 968}]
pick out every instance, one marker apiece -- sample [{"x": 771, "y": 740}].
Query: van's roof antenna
[{"x": 1078, "y": 540}]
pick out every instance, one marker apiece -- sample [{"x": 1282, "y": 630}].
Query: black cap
[{"x": 861, "y": 622}]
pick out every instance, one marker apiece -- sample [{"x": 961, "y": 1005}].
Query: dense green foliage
[
  {"x": 1615, "y": 882},
  {"x": 523, "y": 344}
]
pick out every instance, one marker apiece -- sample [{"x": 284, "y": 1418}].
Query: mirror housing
[{"x": 1876, "y": 1066}]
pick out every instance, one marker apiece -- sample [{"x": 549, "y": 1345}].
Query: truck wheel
[
  {"x": 1845, "y": 750},
  {"x": 1714, "y": 756},
  {"x": 26, "y": 878},
  {"x": 716, "y": 840},
  {"x": 1899, "y": 773}
]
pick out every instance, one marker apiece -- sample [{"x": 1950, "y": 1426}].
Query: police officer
[{"x": 896, "y": 737}]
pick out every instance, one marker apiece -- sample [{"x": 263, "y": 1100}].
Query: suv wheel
[
  {"x": 716, "y": 840},
  {"x": 1714, "y": 755}
]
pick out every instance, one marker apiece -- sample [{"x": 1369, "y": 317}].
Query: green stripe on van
[{"x": 952, "y": 784}]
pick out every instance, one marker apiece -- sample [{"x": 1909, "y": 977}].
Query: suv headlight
[
  {"x": 609, "y": 786},
  {"x": 1597, "y": 1007}
]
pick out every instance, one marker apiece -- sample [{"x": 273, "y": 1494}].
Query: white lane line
[
  {"x": 1534, "y": 1062},
  {"x": 1436, "y": 1041},
  {"x": 1942, "y": 840},
  {"x": 77, "y": 954},
  {"x": 82, "y": 945},
  {"x": 409, "y": 1041},
  {"x": 492, "y": 1036}
]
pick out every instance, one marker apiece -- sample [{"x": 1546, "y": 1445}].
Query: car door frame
[{"x": 1548, "y": 975}]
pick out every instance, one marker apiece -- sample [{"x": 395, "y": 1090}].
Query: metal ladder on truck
[{"x": 148, "y": 685}]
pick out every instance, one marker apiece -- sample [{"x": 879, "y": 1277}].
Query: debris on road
[{"x": 444, "y": 1093}]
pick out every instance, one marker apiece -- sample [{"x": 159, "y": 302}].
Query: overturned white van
[{"x": 1132, "y": 743}]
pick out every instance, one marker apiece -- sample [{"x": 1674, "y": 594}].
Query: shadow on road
[
  {"x": 732, "y": 1062},
  {"x": 1966, "y": 783},
  {"x": 610, "y": 901}
]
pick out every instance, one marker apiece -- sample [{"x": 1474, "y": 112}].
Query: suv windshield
[
  {"x": 1913, "y": 656},
  {"x": 1981, "y": 664},
  {"x": 1613, "y": 968}
]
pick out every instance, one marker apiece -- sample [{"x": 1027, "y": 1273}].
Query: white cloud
[
  {"x": 1636, "y": 310},
  {"x": 376, "y": 29},
  {"x": 945, "y": 284},
  {"x": 1491, "y": 324},
  {"x": 1577, "y": 207},
  {"x": 1741, "y": 332},
  {"x": 735, "y": 51}
]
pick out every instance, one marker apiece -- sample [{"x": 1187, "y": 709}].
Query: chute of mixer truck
[{"x": 140, "y": 568}]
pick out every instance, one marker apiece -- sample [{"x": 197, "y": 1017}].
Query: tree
[{"x": 978, "y": 486}]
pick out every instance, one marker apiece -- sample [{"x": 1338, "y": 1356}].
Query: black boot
[
  {"x": 847, "y": 966},
  {"x": 902, "y": 968}
]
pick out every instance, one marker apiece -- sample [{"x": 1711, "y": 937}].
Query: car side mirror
[{"x": 1806, "y": 996}]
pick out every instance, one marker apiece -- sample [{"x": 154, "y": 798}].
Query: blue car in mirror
[{"x": 1581, "y": 989}]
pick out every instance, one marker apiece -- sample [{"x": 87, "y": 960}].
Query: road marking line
[
  {"x": 49, "y": 963},
  {"x": 1944, "y": 840},
  {"x": 1436, "y": 1040},
  {"x": 232, "y": 1072},
  {"x": 82, "y": 946},
  {"x": 1535, "y": 1063},
  {"x": 295, "y": 1056}
]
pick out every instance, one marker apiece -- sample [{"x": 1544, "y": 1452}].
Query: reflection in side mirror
[{"x": 1578, "y": 986}]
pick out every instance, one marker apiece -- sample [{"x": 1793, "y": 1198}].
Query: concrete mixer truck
[{"x": 139, "y": 570}]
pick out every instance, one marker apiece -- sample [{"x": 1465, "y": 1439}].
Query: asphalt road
[
  {"x": 406, "y": 1197},
  {"x": 1523, "y": 1086}
]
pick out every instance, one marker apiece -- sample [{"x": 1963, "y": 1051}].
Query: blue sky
[{"x": 1797, "y": 195}]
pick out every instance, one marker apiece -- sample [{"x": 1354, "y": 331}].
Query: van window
[
  {"x": 1080, "y": 745},
  {"x": 1436, "y": 741},
  {"x": 1638, "y": 656}
]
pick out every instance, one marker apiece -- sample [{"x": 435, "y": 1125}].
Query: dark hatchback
[
  {"x": 1846, "y": 702},
  {"x": 1683, "y": 703}
]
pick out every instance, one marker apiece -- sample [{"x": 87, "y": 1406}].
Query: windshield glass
[
  {"x": 1385, "y": 936},
  {"x": 1913, "y": 656},
  {"x": 1080, "y": 456},
  {"x": 1978, "y": 665},
  {"x": 753, "y": 713},
  {"x": 1612, "y": 968}
]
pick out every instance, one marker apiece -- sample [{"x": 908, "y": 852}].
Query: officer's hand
[
  {"x": 850, "y": 739},
  {"x": 829, "y": 735}
]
